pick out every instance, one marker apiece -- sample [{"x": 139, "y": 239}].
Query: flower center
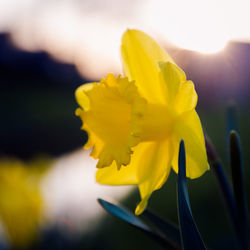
[{"x": 156, "y": 123}]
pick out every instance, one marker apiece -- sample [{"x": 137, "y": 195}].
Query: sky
[{"x": 87, "y": 33}]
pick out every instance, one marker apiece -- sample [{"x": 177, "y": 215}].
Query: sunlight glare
[
  {"x": 204, "y": 26},
  {"x": 89, "y": 38}
]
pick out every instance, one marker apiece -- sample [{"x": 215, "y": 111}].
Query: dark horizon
[{"x": 38, "y": 104}]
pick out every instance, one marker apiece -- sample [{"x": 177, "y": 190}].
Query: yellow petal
[
  {"x": 106, "y": 114},
  {"x": 186, "y": 98},
  {"x": 189, "y": 128},
  {"x": 181, "y": 95},
  {"x": 81, "y": 97},
  {"x": 141, "y": 55},
  {"x": 172, "y": 76},
  {"x": 156, "y": 123},
  {"x": 154, "y": 170},
  {"x": 128, "y": 175},
  {"x": 112, "y": 176}
]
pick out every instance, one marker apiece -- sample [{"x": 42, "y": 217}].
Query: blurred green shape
[
  {"x": 232, "y": 123},
  {"x": 237, "y": 174}
]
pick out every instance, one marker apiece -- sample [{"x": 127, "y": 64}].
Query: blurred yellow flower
[
  {"x": 20, "y": 202},
  {"x": 135, "y": 123}
]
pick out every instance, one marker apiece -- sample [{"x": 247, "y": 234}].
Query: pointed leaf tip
[
  {"x": 182, "y": 160},
  {"x": 232, "y": 123},
  {"x": 123, "y": 214}
]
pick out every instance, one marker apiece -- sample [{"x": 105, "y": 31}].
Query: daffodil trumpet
[{"x": 135, "y": 123}]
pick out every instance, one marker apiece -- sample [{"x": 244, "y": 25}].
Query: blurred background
[{"x": 50, "y": 47}]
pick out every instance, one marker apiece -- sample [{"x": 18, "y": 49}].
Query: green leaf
[
  {"x": 190, "y": 235},
  {"x": 232, "y": 118},
  {"x": 170, "y": 231},
  {"x": 237, "y": 173},
  {"x": 125, "y": 215},
  {"x": 226, "y": 190}
]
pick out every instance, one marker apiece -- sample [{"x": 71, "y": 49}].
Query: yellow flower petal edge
[
  {"x": 141, "y": 56},
  {"x": 106, "y": 110},
  {"x": 135, "y": 123}
]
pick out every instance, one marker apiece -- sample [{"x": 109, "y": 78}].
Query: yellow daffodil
[
  {"x": 135, "y": 123},
  {"x": 20, "y": 202}
]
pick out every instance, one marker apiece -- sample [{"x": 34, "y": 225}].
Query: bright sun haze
[
  {"x": 87, "y": 33},
  {"x": 204, "y": 26}
]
